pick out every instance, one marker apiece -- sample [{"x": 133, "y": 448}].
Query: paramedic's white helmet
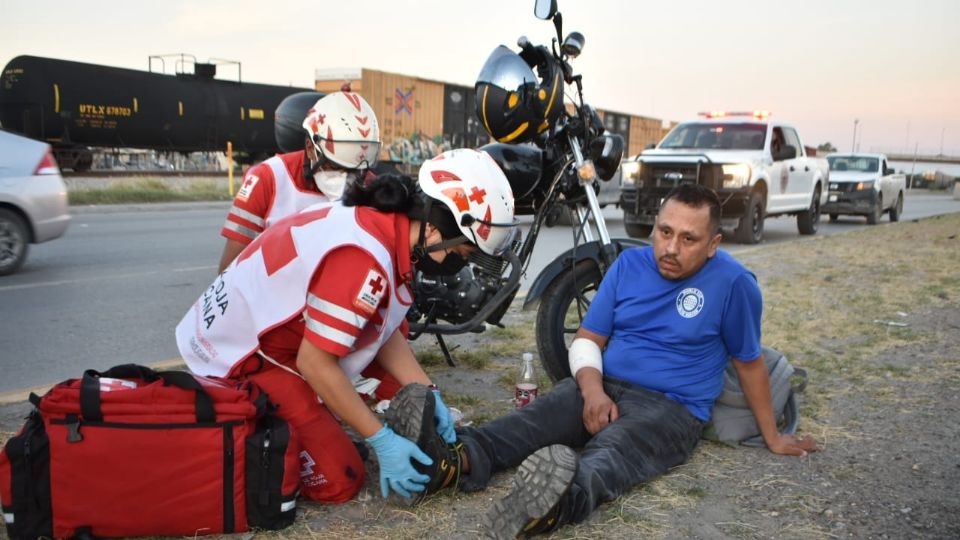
[
  {"x": 472, "y": 186},
  {"x": 344, "y": 129}
]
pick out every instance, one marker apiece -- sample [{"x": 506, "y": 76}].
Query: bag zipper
[{"x": 264, "y": 495}]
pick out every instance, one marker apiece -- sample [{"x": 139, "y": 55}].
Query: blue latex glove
[
  {"x": 396, "y": 471},
  {"x": 444, "y": 422}
]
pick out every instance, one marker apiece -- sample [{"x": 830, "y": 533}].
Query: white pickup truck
[
  {"x": 758, "y": 167},
  {"x": 864, "y": 184}
]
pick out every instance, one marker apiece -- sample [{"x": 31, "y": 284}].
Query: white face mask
[{"x": 331, "y": 183}]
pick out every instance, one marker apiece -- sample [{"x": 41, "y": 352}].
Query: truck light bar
[{"x": 759, "y": 115}]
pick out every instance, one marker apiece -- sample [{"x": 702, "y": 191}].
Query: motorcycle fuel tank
[{"x": 523, "y": 166}]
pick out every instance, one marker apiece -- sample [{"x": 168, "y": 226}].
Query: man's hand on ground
[
  {"x": 598, "y": 410},
  {"x": 790, "y": 445}
]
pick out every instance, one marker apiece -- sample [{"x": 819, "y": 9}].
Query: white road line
[
  {"x": 194, "y": 268},
  {"x": 101, "y": 278}
]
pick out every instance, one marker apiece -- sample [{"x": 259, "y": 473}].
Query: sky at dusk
[{"x": 894, "y": 66}]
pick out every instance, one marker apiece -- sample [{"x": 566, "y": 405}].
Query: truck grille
[
  {"x": 669, "y": 175},
  {"x": 843, "y": 187},
  {"x": 659, "y": 178}
]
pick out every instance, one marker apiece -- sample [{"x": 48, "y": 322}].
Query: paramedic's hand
[
  {"x": 790, "y": 445},
  {"x": 396, "y": 471},
  {"x": 444, "y": 422}
]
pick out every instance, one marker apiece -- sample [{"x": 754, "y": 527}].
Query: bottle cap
[{"x": 527, "y": 357}]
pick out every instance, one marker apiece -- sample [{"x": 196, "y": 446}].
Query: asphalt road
[{"x": 112, "y": 289}]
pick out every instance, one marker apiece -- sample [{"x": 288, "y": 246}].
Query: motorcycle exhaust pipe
[{"x": 507, "y": 291}]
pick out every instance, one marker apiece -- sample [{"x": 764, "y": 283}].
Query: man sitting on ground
[{"x": 648, "y": 363}]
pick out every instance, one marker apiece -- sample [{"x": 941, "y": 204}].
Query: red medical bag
[{"x": 134, "y": 452}]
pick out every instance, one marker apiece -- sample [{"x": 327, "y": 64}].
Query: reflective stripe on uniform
[
  {"x": 8, "y": 518},
  {"x": 247, "y": 216},
  {"x": 337, "y": 312},
  {"x": 328, "y": 333},
  {"x": 288, "y": 505},
  {"x": 245, "y": 231}
]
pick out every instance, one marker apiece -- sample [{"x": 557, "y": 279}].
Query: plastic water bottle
[{"x": 526, "y": 382}]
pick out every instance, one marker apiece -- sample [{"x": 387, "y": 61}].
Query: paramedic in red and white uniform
[
  {"x": 321, "y": 294},
  {"x": 342, "y": 142}
]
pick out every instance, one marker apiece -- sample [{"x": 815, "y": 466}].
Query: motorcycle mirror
[
  {"x": 558, "y": 24},
  {"x": 573, "y": 45},
  {"x": 544, "y": 9}
]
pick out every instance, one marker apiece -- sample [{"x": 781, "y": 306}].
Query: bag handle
[{"x": 90, "y": 389}]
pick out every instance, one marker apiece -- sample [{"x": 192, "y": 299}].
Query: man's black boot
[
  {"x": 411, "y": 416},
  {"x": 535, "y": 504}
]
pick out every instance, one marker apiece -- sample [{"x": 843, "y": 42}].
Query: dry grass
[
  {"x": 834, "y": 303},
  {"x": 149, "y": 191},
  {"x": 856, "y": 279}
]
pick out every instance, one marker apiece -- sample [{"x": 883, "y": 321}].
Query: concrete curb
[
  {"x": 17, "y": 396},
  {"x": 148, "y": 207}
]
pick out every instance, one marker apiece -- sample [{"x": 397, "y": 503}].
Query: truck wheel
[
  {"x": 874, "y": 216},
  {"x": 809, "y": 219},
  {"x": 897, "y": 209},
  {"x": 750, "y": 229},
  {"x": 833, "y": 218},
  {"x": 638, "y": 230},
  {"x": 14, "y": 242}
]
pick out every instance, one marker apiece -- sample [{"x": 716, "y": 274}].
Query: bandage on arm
[{"x": 585, "y": 353}]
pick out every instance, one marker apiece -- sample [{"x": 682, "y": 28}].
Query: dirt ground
[{"x": 873, "y": 316}]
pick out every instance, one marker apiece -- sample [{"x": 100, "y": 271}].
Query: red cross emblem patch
[
  {"x": 371, "y": 292},
  {"x": 246, "y": 188}
]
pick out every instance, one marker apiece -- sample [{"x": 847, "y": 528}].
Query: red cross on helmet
[
  {"x": 472, "y": 186},
  {"x": 344, "y": 129}
]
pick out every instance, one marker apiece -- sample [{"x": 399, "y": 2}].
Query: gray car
[{"x": 33, "y": 198}]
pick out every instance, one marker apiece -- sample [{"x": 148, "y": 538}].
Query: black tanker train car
[{"x": 74, "y": 105}]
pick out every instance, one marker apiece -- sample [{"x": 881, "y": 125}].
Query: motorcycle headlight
[
  {"x": 630, "y": 173},
  {"x": 862, "y": 186},
  {"x": 736, "y": 175}
]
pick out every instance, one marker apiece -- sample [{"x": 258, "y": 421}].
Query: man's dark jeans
[{"x": 651, "y": 435}]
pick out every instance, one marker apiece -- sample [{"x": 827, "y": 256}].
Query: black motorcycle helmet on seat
[
  {"x": 288, "y": 120},
  {"x": 511, "y": 104}
]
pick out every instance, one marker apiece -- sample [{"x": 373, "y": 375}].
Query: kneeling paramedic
[{"x": 321, "y": 294}]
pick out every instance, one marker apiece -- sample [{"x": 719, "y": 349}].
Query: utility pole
[
  {"x": 853, "y": 145},
  {"x": 906, "y": 142},
  {"x": 941, "y": 139},
  {"x": 913, "y": 168}
]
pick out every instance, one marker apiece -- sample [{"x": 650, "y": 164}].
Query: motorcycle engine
[{"x": 457, "y": 298}]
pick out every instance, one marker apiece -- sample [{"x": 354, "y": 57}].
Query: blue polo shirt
[{"x": 676, "y": 337}]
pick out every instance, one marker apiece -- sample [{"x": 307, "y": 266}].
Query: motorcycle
[{"x": 553, "y": 167}]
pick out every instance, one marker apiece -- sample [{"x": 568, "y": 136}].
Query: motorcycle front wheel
[{"x": 562, "y": 307}]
